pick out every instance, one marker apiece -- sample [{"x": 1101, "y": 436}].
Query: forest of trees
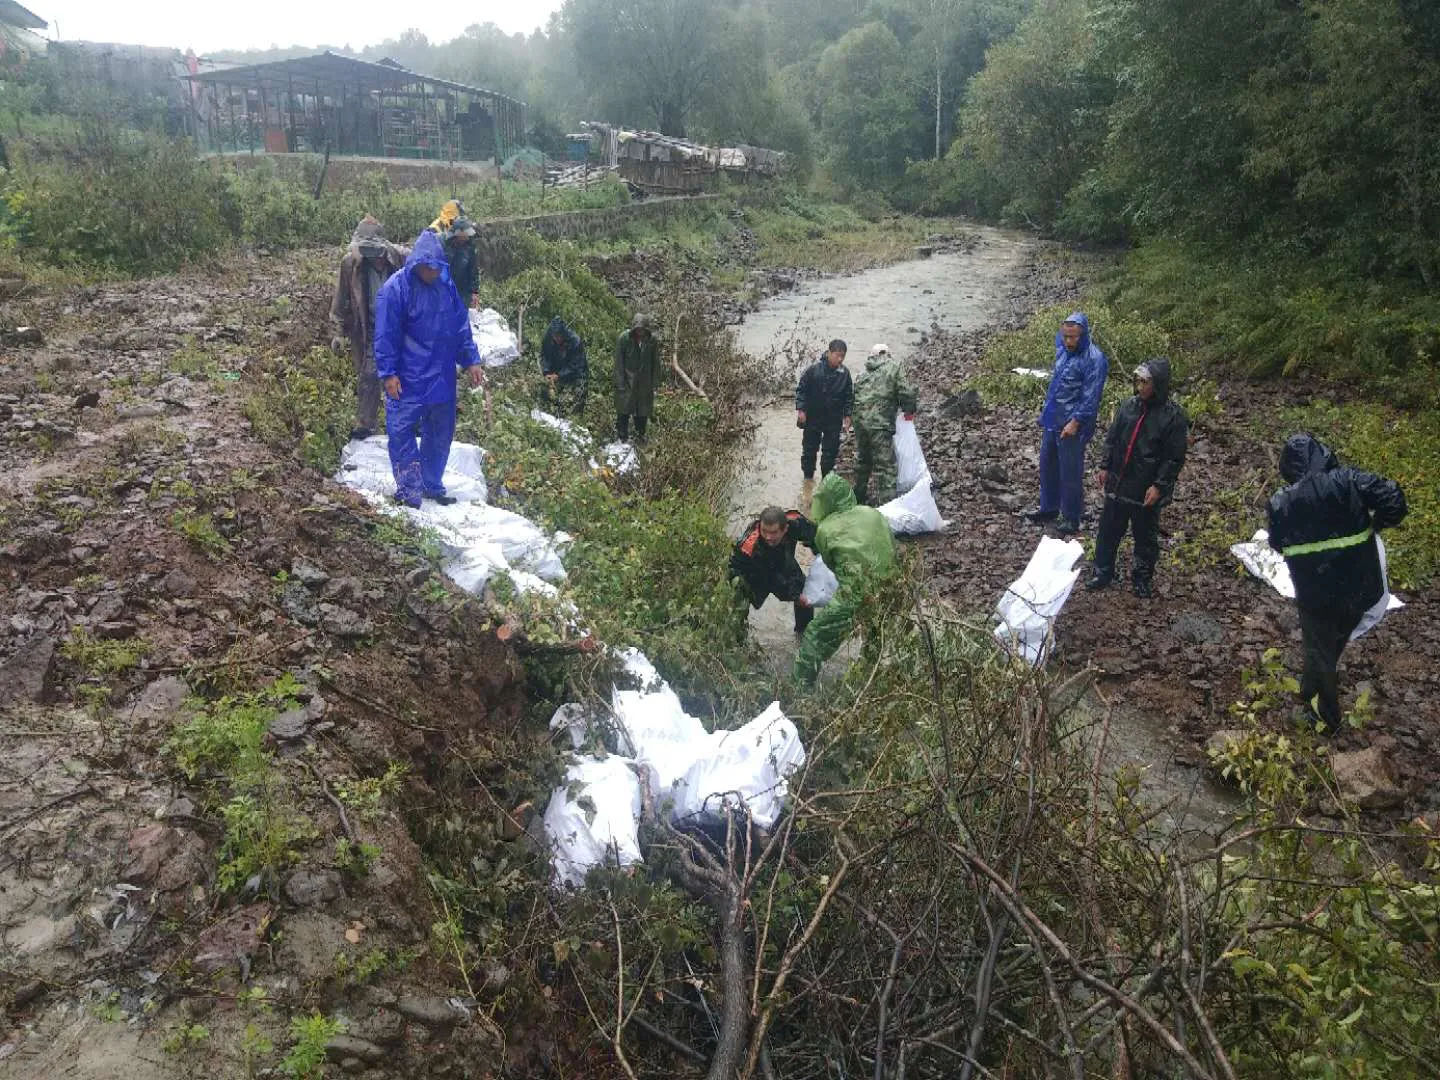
[{"x": 1308, "y": 126}]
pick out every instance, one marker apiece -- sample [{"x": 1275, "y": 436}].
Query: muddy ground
[
  {"x": 150, "y": 544},
  {"x": 1178, "y": 658}
]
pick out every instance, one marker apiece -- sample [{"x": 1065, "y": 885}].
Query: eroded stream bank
[{"x": 902, "y": 305}]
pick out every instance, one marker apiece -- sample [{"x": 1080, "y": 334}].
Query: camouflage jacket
[{"x": 881, "y": 391}]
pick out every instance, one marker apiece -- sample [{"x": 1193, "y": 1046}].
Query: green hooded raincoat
[{"x": 856, "y": 543}]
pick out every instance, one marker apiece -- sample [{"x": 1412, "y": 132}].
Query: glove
[{"x": 337, "y": 344}]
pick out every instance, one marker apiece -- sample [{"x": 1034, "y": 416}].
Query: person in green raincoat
[
  {"x": 856, "y": 544},
  {"x": 881, "y": 391},
  {"x": 637, "y": 371}
]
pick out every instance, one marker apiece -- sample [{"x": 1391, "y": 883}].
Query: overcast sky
[{"x": 208, "y": 26}]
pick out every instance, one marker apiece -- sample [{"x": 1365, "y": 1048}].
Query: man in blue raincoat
[
  {"x": 422, "y": 335},
  {"x": 1068, "y": 424}
]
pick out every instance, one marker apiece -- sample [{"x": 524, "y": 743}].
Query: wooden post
[{"x": 294, "y": 142}]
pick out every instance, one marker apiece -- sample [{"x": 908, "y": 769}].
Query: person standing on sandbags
[
  {"x": 1144, "y": 453},
  {"x": 763, "y": 563},
  {"x": 856, "y": 544},
  {"x": 422, "y": 335},
  {"x": 637, "y": 371},
  {"x": 1067, "y": 421},
  {"x": 881, "y": 391},
  {"x": 1324, "y": 523},
  {"x": 824, "y": 399},
  {"x": 367, "y": 264}
]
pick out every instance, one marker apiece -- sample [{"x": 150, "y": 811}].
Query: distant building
[
  {"x": 350, "y": 106},
  {"x": 17, "y": 26}
]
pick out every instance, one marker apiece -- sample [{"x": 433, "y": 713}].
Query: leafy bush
[{"x": 129, "y": 204}]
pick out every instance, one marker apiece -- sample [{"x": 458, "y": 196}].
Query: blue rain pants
[
  {"x": 419, "y": 469},
  {"x": 1062, "y": 472}
]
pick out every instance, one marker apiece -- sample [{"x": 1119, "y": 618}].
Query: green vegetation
[
  {"x": 224, "y": 745},
  {"x": 101, "y": 657},
  {"x": 305, "y": 1060},
  {"x": 200, "y": 530}
]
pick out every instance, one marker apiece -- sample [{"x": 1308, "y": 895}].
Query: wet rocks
[
  {"x": 1367, "y": 778},
  {"x": 25, "y": 676},
  {"x": 308, "y": 573},
  {"x": 435, "y": 1012},
  {"x": 341, "y": 1048},
  {"x": 234, "y": 940},
  {"x": 1197, "y": 628},
  {"x": 298, "y": 603},
  {"x": 344, "y": 623},
  {"x": 311, "y": 888},
  {"x": 965, "y": 403}
]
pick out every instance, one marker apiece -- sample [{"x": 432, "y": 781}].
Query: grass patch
[
  {"x": 101, "y": 657},
  {"x": 306, "y": 406},
  {"x": 1267, "y": 316},
  {"x": 1402, "y": 446}
]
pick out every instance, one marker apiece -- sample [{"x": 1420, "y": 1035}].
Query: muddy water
[{"x": 894, "y": 305}]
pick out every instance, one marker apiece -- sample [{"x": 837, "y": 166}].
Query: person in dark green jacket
[
  {"x": 637, "y": 371},
  {"x": 856, "y": 544},
  {"x": 881, "y": 391}
]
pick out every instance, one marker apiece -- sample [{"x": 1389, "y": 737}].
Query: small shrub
[
  {"x": 200, "y": 530},
  {"x": 305, "y": 1059},
  {"x": 100, "y": 657}
]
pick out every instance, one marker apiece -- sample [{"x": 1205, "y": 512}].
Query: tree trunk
[
  {"x": 937, "y": 100},
  {"x": 735, "y": 978}
]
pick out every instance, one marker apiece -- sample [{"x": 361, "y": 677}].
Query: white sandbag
[
  {"x": 574, "y": 721},
  {"x": 493, "y": 340},
  {"x": 914, "y": 512},
  {"x": 365, "y": 467},
  {"x": 821, "y": 584},
  {"x": 576, "y": 439},
  {"x": 593, "y": 819},
  {"x": 909, "y": 458},
  {"x": 1031, "y": 372},
  {"x": 1267, "y": 564},
  {"x": 620, "y": 458},
  {"x": 1029, "y": 607},
  {"x": 746, "y": 768},
  {"x": 653, "y": 726}
]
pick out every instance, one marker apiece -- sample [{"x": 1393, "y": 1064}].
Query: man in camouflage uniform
[{"x": 881, "y": 391}]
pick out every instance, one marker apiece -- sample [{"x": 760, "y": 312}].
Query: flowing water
[{"x": 895, "y": 305}]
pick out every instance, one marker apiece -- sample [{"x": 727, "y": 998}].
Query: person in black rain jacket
[
  {"x": 565, "y": 367},
  {"x": 764, "y": 560},
  {"x": 1144, "y": 453},
  {"x": 824, "y": 399},
  {"x": 1324, "y": 523}
]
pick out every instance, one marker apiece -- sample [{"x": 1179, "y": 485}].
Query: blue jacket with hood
[
  {"x": 422, "y": 332},
  {"x": 1077, "y": 383}
]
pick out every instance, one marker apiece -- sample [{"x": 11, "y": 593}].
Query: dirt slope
[{"x": 152, "y": 551}]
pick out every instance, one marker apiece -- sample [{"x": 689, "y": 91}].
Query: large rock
[
  {"x": 311, "y": 888},
  {"x": 25, "y": 676},
  {"x": 1367, "y": 778}
]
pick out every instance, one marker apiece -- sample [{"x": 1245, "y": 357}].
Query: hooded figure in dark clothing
[
  {"x": 1144, "y": 453},
  {"x": 565, "y": 367},
  {"x": 368, "y": 263},
  {"x": 1324, "y": 524}
]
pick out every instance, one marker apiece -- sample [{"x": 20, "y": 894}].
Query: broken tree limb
[{"x": 675, "y": 364}]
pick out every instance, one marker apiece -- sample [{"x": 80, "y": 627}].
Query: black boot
[
  {"x": 1067, "y": 528},
  {"x": 1100, "y": 579},
  {"x": 1141, "y": 588},
  {"x": 1041, "y": 517},
  {"x": 803, "y": 614}
]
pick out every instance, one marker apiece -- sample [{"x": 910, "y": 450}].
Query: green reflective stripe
[{"x": 1328, "y": 545}]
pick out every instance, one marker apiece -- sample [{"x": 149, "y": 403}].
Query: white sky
[{"x": 208, "y": 25}]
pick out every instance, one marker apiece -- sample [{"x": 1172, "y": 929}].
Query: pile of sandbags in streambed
[
  {"x": 479, "y": 541},
  {"x": 618, "y": 457},
  {"x": 913, "y": 511},
  {"x": 695, "y": 777}
]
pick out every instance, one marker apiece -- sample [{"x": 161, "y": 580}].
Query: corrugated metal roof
[
  {"x": 332, "y": 72},
  {"x": 12, "y": 14}
]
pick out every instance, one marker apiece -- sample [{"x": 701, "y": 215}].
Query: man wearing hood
[
  {"x": 637, "y": 370},
  {"x": 856, "y": 543},
  {"x": 366, "y": 265},
  {"x": 1144, "y": 453},
  {"x": 565, "y": 367},
  {"x": 1068, "y": 423},
  {"x": 1324, "y": 523},
  {"x": 824, "y": 400},
  {"x": 460, "y": 254},
  {"x": 422, "y": 335},
  {"x": 881, "y": 391}
]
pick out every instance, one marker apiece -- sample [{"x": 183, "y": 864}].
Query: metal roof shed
[{"x": 351, "y": 106}]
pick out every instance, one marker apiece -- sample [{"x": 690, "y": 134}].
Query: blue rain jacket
[
  {"x": 1077, "y": 383},
  {"x": 422, "y": 332}
]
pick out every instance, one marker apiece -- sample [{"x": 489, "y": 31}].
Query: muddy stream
[{"x": 895, "y": 305}]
